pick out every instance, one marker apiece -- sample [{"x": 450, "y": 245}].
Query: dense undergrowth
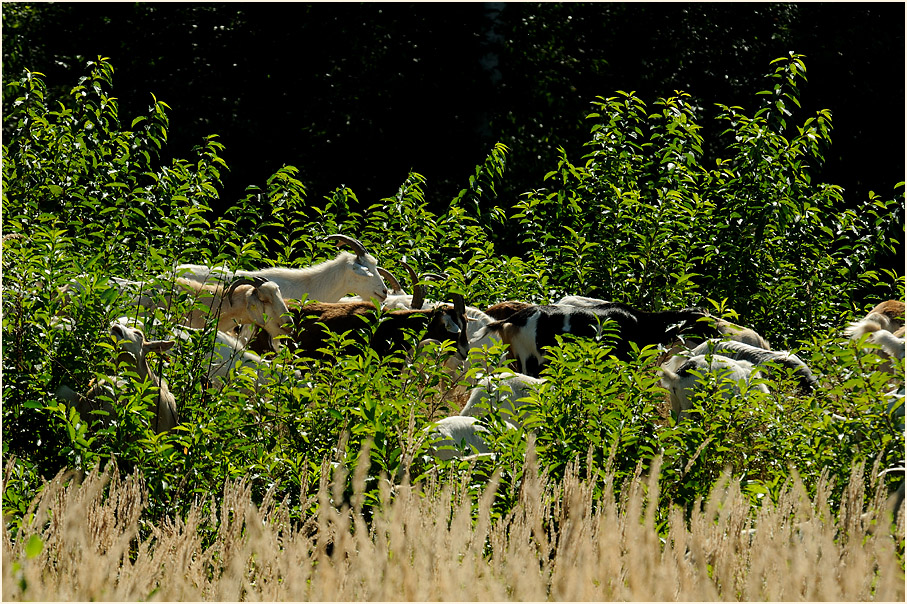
[{"x": 643, "y": 218}]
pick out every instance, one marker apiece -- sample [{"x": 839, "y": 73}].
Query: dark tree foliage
[
  {"x": 350, "y": 94},
  {"x": 356, "y": 94}
]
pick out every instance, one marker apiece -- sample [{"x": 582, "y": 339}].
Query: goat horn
[
  {"x": 418, "y": 296},
  {"x": 418, "y": 290},
  {"x": 253, "y": 281},
  {"x": 353, "y": 243},
  {"x": 390, "y": 277},
  {"x": 459, "y": 304},
  {"x": 412, "y": 273},
  {"x": 434, "y": 276}
]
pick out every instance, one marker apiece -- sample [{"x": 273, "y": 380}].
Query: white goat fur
[
  {"x": 506, "y": 392},
  {"x": 759, "y": 357},
  {"x": 229, "y": 355},
  {"x": 580, "y": 301},
  {"x": 888, "y": 315},
  {"x": 125, "y": 287},
  {"x": 683, "y": 384},
  {"x": 476, "y": 320},
  {"x": 891, "y": 345},
  {"x": 459, "y": 436},
  {"x": 134, "y": 349},
  {"x": 261, "y": 305},
  {"x": 327, "y": 281}
]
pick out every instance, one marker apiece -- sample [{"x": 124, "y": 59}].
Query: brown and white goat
[
  {"x": 884, "y": 325},
  {"x": 887, "y": 315}
]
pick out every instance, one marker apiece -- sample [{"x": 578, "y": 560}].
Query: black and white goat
[
  {"x": 328, "y": 281},
  {"x": 529, "y": 330},
  {"x": 725, "y": 328}
]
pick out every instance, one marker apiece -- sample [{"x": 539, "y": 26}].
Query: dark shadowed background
[{"x": 360, "y": 94}]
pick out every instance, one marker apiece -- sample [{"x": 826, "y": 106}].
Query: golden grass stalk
[{"x": 558, "y": 543}]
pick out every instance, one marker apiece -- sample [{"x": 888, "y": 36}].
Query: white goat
[
  {"x": 459, "y": 436},
  {"x": 729, "y": 372},
  {"x": 478, "y": 339},
  {"x": 505, "y": 392},
  {"x": 759, "y": 357},
  {"x": 140, "y": 293},
  {"x": 134, "y": 349},
  {"x": 891, "y": 344},
  {"x": 328, "y": 281},
  {"x": 582, "y": 301},
  {"x": 248, "y": 301},
  {"x": 877, "y": 326},
  {"x": 228, "y": 354}
]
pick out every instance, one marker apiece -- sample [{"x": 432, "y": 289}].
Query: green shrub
[{"x": 647, "y": 217}]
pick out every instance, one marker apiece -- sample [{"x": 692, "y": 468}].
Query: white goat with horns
[{"x": 328, "y": 281}]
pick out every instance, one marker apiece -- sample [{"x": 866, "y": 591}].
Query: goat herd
[{"x": 258, "y": 311}]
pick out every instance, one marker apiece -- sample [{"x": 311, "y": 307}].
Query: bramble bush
[{"x": 645, "y": 217}]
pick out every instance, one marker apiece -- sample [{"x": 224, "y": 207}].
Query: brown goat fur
[
  {"x": 505, "y": 310},
  {"x": 308, "y": 336},
  {"x": 887, "y": 315},
  {"x": 892, "y": 310}
]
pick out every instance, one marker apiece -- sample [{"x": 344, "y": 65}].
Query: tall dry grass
[{"x": 558, "y": 543}]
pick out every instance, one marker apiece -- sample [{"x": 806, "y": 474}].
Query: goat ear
[
  {"x": 361, "y": 268},
  {"x": 263, "y": 297},
  {"x": 159, "y": 345}
]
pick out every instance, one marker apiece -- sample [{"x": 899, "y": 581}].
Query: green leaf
[{"x": 33, "y": 547}]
